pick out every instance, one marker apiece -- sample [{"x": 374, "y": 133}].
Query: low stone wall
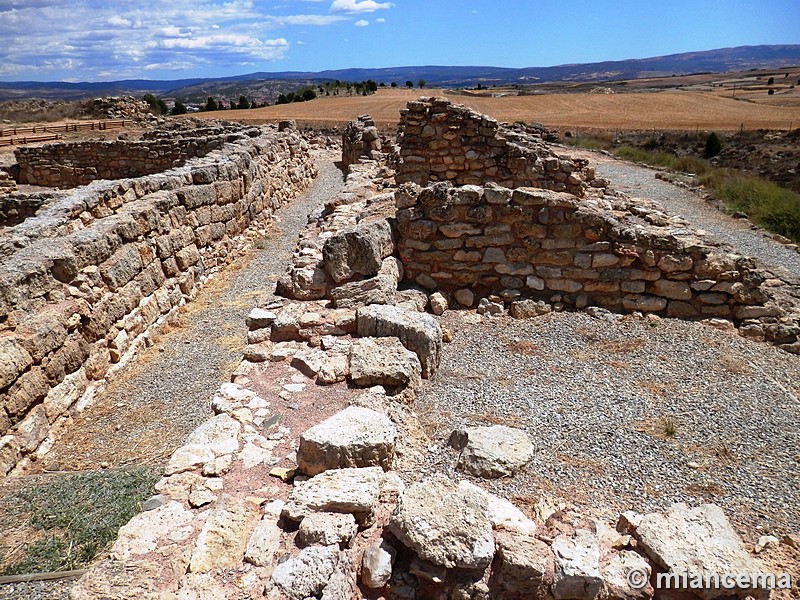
[
  {"x": 441, "y": 141},
  {"x": 69, "y": 165},
  {"x": 91, "y": 273},
  {"x": 538, "y": 243}
]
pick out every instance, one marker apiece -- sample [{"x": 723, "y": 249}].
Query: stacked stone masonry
[
  {"x": 441, "y": 141},
  {"x": 590, "y": 252},
  {"x": 69, "y": 165},
  {"x": 83, "y": 281},
  {"x": 257, "y": 505}
]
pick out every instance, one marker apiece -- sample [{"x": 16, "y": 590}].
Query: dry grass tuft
[
  {"x": 493, "y": 419},
  {"x": 523, "y": 348}
]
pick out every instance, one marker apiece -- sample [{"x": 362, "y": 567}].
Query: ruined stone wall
[
  {"x": 539, "y": 243},
  {"x": 83, "y": 281},
  {"x": 441, "y": 141},
  {"x": 360, "y": 139},
  {"x": 69, "y": 165}
]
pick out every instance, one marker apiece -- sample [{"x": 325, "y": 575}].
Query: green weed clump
[
  {"x": 78, "y": 515},
  {"x": 775, "y": 208}
]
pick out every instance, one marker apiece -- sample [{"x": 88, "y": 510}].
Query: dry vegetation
[{"x": 661, "y": 111}]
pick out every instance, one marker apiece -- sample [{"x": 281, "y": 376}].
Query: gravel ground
[
  {"x": 641, "y": 182},
  {"x": 143, "y": 417},
  {"x": 601, "y": 401}
]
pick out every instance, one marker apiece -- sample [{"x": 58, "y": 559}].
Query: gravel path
[
  {"x": 628, "y": 414},
  {"x": 641, "y": 182}
]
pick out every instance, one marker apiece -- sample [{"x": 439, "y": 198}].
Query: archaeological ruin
[{"x": 457, "y": 212}]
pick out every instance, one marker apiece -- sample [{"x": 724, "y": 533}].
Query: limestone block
[
  {"x": 495, "y": 451},
  {"x": 326, "y": 529},
  {"x": 697, "y": 540},
  {"x": 445, "y": 525},
  {"x": 353, "y": 491},
  {"x": 577, "y": 563},
  {"x": 418, "y": 332},
  {"x": 524, "y": 561},
  {"x": 377, "y": 563},
  {"x": 14, "y": 359},
  {"x": 223, "y": 539},
  {"x": 382, "y": 361},
  {"x": 354, "y": 437},
  {"x": 358, "y": 251}
]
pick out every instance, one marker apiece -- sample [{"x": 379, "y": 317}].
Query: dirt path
[
  {"x": 738, "y": 233},
  {"x": 145, "y": 414}
]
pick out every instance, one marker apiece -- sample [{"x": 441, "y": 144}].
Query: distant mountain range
[{"x": 270, "y": 84}]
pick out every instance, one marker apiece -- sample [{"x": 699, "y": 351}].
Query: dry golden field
[{"x": 668, "y": 110}]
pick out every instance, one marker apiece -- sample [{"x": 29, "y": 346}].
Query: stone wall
[
  {"x": 441, "y": 141},
  {"x": 83, "y": 281},
  {"x": 69, "y": 165},
  {"x": 537, "y": 243}
]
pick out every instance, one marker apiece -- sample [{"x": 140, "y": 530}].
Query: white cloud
[
  {"x": 358, "y": 7},
  {"x": 380, "y": 20},
  {"x": 320, "y": 20},
  {"x": 117, "y": 21},
  {"x": 361, "y": 23},
  {"x": 89, "y": 40}
]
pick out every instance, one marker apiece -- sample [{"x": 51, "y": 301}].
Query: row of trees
[
  {"x": 363, "y": 88},
  {"x": 243, "y": 104}
]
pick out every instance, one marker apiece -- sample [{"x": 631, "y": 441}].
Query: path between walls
[{"x": 166, "y": 392}]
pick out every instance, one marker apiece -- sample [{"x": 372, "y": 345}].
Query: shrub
[
  {"x": 771, "y": 92},
  {"x": 771, "y": 206},
  {"x": 410, "y": 84},
  {"x": 243, "y": 102},
  {"x": 179, "y": 108},
  {"x": 713, "y": 145},
  {"x": 211, "y": 104}
]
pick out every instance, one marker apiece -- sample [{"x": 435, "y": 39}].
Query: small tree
[
  {"x": 157, "y": 105},
  {"x": 421, "y": 83},
  {"x": 211, "y": 104},
  {"x": 309, "y": 94},
  {"x": 179, "y": 108},
  {"x": 244, "y": 103},
  {"x": 771, "y": 81},
  {"x": 771, "y": 92},
  {"x": 409, "y": 84},
  {"x": 394, "y": 84},
  {"x": 713, "y": 145}
]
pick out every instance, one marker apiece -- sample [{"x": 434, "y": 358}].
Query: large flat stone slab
[
  {"x": 354, "y": 437},
  {"x": 353, "y": 491},
  {"x": 697, "y": 541}
]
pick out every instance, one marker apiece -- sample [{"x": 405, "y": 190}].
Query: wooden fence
[{"x": 43, "y": 133}]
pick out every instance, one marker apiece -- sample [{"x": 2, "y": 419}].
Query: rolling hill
[{"x": 269, "y": 85}]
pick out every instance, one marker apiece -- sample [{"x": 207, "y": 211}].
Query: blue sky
[{"x": 101, "y": 40}]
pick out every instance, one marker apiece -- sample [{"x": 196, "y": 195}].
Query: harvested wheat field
[{"x": 662, "y": 110}]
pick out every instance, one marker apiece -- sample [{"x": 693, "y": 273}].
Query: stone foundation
[
  {"x": 83, "y": 281},
  {"x": 590, "y": 252},
  {"x": 69, "y": 165}
]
